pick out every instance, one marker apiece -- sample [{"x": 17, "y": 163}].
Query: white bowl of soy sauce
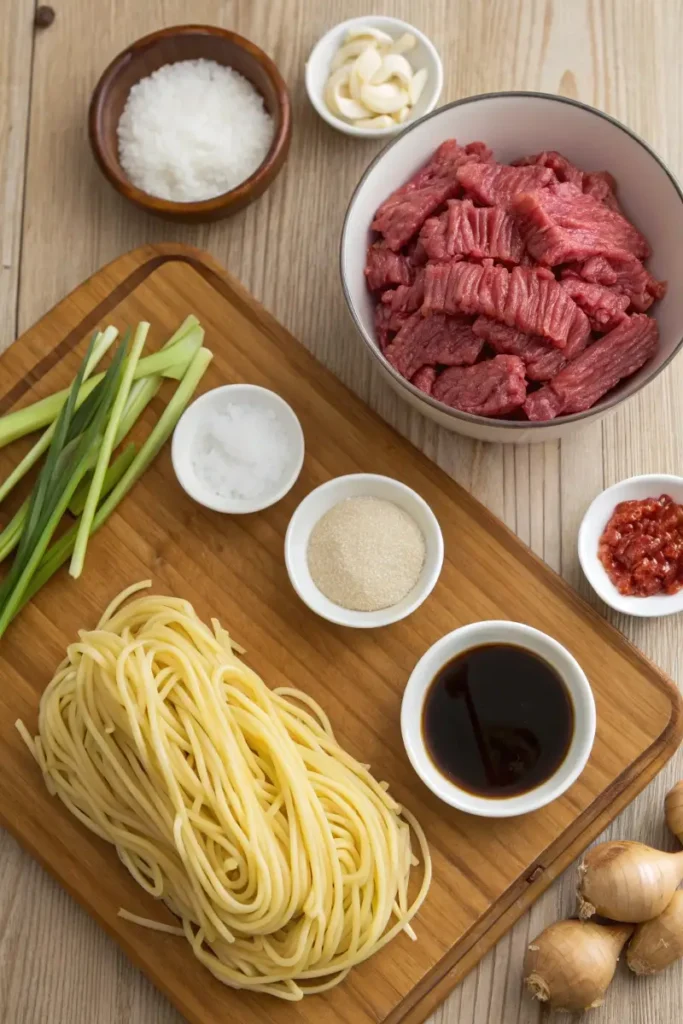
[{"x": 498, "y": 719}]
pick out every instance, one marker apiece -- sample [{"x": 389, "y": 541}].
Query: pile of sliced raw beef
[{"x": 511, "y": 290}]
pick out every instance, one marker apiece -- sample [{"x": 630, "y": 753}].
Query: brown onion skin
[
  {"x": 658, "y": 943},
  {"x": 673, "y": 809},
  {"x": 570, "y": 965},
  {"x": 626, "y": 881}
]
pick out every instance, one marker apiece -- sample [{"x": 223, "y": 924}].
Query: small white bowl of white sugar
[{"x": 238, "y": 449}]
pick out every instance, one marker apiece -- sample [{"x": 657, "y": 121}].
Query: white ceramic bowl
[
  {"x": 540, "y": 644},
  {"x": 423, "y": 55},
  {"x": 594, "y": 522},
  {"x": 514, "y": 124},
  {"x": 185, "y": 434},
  {"x": 320, "y": 501}
]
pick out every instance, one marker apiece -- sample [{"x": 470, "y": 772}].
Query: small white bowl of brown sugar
[{"x": 363, "y": 550}]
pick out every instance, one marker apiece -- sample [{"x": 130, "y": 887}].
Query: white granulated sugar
[
  {"x": 241, "y": 451},
  {"x": 193, "y": 130}
]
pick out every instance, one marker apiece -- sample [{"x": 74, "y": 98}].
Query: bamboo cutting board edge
[{"x": 117, "y": 280}]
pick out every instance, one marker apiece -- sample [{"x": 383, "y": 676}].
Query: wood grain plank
[
  {"x": 16, "y": 58},
  {"x": 621, "y": 55}
]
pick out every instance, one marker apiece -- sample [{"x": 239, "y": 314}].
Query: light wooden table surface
[{"x": 59, "y": 221}]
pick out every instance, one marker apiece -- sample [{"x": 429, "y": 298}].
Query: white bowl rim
[
  {"x": 237, "y": 507},
  {"x": 371, "y": 345},
  {"x": 472, "y": 803},
  {"x": 626, "y": 604},
  {"x": 352, "y": 618},
  {"x": 373, "y": 133}
]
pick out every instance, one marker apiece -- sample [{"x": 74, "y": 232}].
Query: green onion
[
  {"x": 65, "y": 466},
  {"x": 60, "y": 551},
  {"x": 169, "y": 361},
  {"x": 102, "y": 343},
  {"x": 105, "y": 450},
  {"x": 114, "y": 473},
  {"x": 141, "y": 394}
]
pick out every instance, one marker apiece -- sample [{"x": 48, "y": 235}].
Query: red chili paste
[{"x": 641, "y": 547}]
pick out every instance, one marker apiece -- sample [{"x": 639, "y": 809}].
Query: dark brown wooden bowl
[{"x": 188, "y": 42}]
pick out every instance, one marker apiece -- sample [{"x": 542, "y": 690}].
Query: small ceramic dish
[
  {"x": 320, "y": 501},
  {"x": 188, "y": 42},
  {"x": 185, "y": 436},
  {"x": 538, "y": 643},
  {"x": 423, "y": 55},
  {"x": 594, "y": 522}
]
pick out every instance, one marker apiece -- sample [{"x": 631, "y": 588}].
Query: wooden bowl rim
[{"x": 239, "y": 195}]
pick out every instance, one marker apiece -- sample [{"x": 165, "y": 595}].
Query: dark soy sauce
[{"x": 497, "y": 720}]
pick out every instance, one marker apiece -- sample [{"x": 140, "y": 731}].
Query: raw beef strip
[
  {"x": 563, "y": 168},
  {"x": 604, "y": 307},
  {"x": 447, "y": 340},
  {"x": 497, "y": 184},
  {"x": 424, "y": 379},
  {"x": 592, "y": 374},
  {"x": 474, "y": 231},
  {"x": 415, "y": 253},
  {"x": 384, "y": 267},
  {"x": 492, "y": 388},
  {"x": 403, "y": 301},
  {"x": 579, "y": 335},
  {"x": 623, "y": 272},
  {"x": 406, "y": 209},
  {"x": 537, "y": 304},
  {"x": 543, "y": 405},
  {"x": 601, "y": 185},
  {"x": 541, "y": 358},
  {"x": 382, "y": 329},
  {"x": 559, "y": 224},
  {"x": 532, "y": 301},
  {"x": 465, "y": 288}
]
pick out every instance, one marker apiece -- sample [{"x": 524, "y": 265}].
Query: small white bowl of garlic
[{"x": 370, "y": 76}]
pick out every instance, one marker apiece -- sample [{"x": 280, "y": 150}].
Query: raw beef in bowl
[{"x": 543, "y": 225}]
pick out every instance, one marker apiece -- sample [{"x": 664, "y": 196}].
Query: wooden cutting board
[{"x": 486, "y": 872}]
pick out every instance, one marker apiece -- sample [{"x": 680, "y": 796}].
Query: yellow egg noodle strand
[{"x": 285, "y": 861}]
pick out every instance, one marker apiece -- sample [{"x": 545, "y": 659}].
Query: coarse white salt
[
  {"x": 193, "y": 130},
  {"x": 241, "y": 451}
]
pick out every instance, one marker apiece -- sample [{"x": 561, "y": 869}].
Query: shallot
[
  {"x": 570, "y": 965},
  {"x": 658, "y": 943},
  {"x": 673, "y": 809},
  {"x": 628, "y": 881}
]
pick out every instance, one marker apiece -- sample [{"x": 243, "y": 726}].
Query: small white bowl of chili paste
[{"x": 631, "y": 545}]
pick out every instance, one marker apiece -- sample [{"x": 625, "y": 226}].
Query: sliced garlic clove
[
  {"x": 368, "y": 63},
  {"x": 355, "y": 83},
  {"x": 392, "y": 66},
  {"x": 368, "y": 32},
  {"x": 377, "y": 123},
  {"x": 404, "y": 43},
  {"x": 383, "y": 99},
  {"x": 402, "y": 115},
  {"x": 417, "y": 85},
  {"x": 350, "y": 51},
  {"x": 336, "y": 88},
  {"x": 351, "y": 109}
]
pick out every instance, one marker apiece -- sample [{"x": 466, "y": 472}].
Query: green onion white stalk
[
  {"x": 106, "y": 448},
  {"x": 115, "y": 471}
]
